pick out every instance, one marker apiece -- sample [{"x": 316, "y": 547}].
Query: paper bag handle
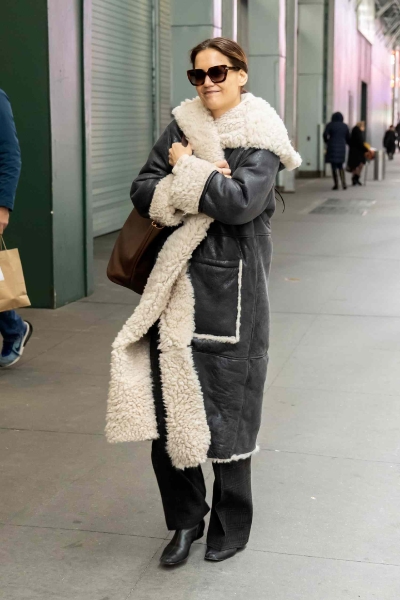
[{"x": 2, "y": 243}]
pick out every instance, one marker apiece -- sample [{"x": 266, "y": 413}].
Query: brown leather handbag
[{"x": 134, "y": 252}]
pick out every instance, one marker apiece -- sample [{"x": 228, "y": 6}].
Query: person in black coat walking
[
  {"x": 397, "y": 129},
  {"x": 336, "y": 136},
  {"x": 389, "y": 141},
  {"x": 357, "y": 152}
]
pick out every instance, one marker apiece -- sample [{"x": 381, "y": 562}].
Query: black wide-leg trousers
[{"x": 183, "y": 491}]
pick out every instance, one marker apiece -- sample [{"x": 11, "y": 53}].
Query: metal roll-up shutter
[
  {"x": 165, "y": 69},
  {"x": 122, "y": 105}
]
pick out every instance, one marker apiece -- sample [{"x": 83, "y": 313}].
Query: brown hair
[{"x": 228, "y": 48}]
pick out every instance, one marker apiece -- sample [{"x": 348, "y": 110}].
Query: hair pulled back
[{"x": 228, "y": 48}]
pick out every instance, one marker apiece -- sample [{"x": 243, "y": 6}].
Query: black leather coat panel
[{"x": 229, "y": 271}]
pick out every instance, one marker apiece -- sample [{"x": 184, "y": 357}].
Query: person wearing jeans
[{"x": 14, "y": 331}]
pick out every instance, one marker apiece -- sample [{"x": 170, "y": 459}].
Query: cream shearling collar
[{"x": 251, "y": 124}]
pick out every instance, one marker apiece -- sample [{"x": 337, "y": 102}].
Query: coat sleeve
[
  {"x": 325, "y": 135},
  {"x": 155, "y": 169},
  {"x": 10, "y": 155},
  {"x": 244, "y": 197},
  {"x": 164, "y": 194}
]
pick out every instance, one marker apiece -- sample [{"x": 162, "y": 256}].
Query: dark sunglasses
[{"x": 217, "y": 74}]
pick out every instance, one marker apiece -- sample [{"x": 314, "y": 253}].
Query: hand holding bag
[{"x": 12, "y": 284}]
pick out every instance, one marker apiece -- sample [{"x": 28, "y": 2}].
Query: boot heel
[{"x": 201, "y": 527}]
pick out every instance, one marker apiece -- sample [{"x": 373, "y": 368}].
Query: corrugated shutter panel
[
  {"x": 122, "y": 112},
  {"x": 165, "y": 63}
]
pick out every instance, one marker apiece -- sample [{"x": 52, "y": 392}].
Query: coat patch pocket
[{"x": 217, "y": 294}]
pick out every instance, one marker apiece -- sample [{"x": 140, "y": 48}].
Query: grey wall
[
  {"x": 192, "y": 22},
  {"x": 65, "y": 67},
  {"x": 267, "y": 51},
  {"x": 229, "y": 15},
  {"x": 310, "y": 82},
  {"x": 288, "y": 177}
]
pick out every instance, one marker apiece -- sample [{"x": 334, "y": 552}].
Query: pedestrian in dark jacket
[
  {"x": 398, "y": 133},
  {"x": 336, "y": 136},
  {"x": 389, "y": 141},
  {"x": 189, "y": 366},
  {"x": 357, "y": 152},
  {"x": 14, "y": 331}
]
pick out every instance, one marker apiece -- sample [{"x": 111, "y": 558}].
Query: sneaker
[{"x": 12, "y": 351}]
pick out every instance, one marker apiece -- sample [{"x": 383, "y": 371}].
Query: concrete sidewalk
[{"x": 82, "y": 520}]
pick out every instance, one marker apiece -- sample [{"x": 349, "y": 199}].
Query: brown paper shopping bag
[{"x": 12, "y": 284}]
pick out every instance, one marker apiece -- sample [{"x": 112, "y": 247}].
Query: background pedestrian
[
  {"x": 336, "y": 136},
  {"x": 398, "y": 134},
  {"x": 357, "y": 151},
  {"x": 14, "y": 330},
  {"x": 389, "y": 141}
]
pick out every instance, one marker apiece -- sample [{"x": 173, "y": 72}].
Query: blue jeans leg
[{"x": 11, "y": 325}]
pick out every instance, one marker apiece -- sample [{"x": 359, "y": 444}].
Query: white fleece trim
[
  {"x": 161, "y": 209},
  {"x": 251, "y": 124},
  {"x": 228, "y": 339},
  {"x": 172, "y": 258},
  {"x": 197, "y": 123},
  {"x": 235, "y": 457},
  {"x": 130, "y": 411},
  {"x": 190, "y": 176},
  {"x": 188, "y": 434}
]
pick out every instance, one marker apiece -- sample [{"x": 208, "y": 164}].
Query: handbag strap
[{"x": 2, "y": 242}]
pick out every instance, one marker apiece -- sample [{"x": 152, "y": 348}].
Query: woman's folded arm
[
  {"x": 155, "y": 169},
  {"x": 233, "y": 201}
]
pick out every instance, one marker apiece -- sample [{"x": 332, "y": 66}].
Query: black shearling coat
[{"x": 235, "y": 255}]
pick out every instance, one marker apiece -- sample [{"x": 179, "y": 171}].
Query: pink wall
[
  {"x": 381, "y": 93},
  {"x": 356, "y": 60}
]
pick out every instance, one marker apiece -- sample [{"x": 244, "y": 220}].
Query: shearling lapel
[
  {"x": 251, "y": 124},
  {"x": 198, "y": 125}
]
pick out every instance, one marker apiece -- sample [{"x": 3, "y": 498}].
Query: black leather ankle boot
[
  {"x": 343, "y": 178},
  {"x": 335, "y": 179},
  {"x": 179, "y": 547},
  {"x": 218, "y": 555}
]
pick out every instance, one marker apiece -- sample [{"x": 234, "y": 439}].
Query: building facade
[{"x": 92, "y": 84}]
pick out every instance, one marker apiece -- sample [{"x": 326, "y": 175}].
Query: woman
[
  {"x": 205, "y": 311},
  {"x": 357, "y": 152},
  {"x": 389, "y": 141},
  {"x": 336, "y": 136}
]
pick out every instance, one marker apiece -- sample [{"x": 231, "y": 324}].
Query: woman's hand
[
  {"x": 223, "y": 167},
  {"x": 176, "y": 151},
  {"x": 4, "y": 218}
]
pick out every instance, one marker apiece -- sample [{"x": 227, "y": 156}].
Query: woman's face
[{"x": 219, "y": 97}]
